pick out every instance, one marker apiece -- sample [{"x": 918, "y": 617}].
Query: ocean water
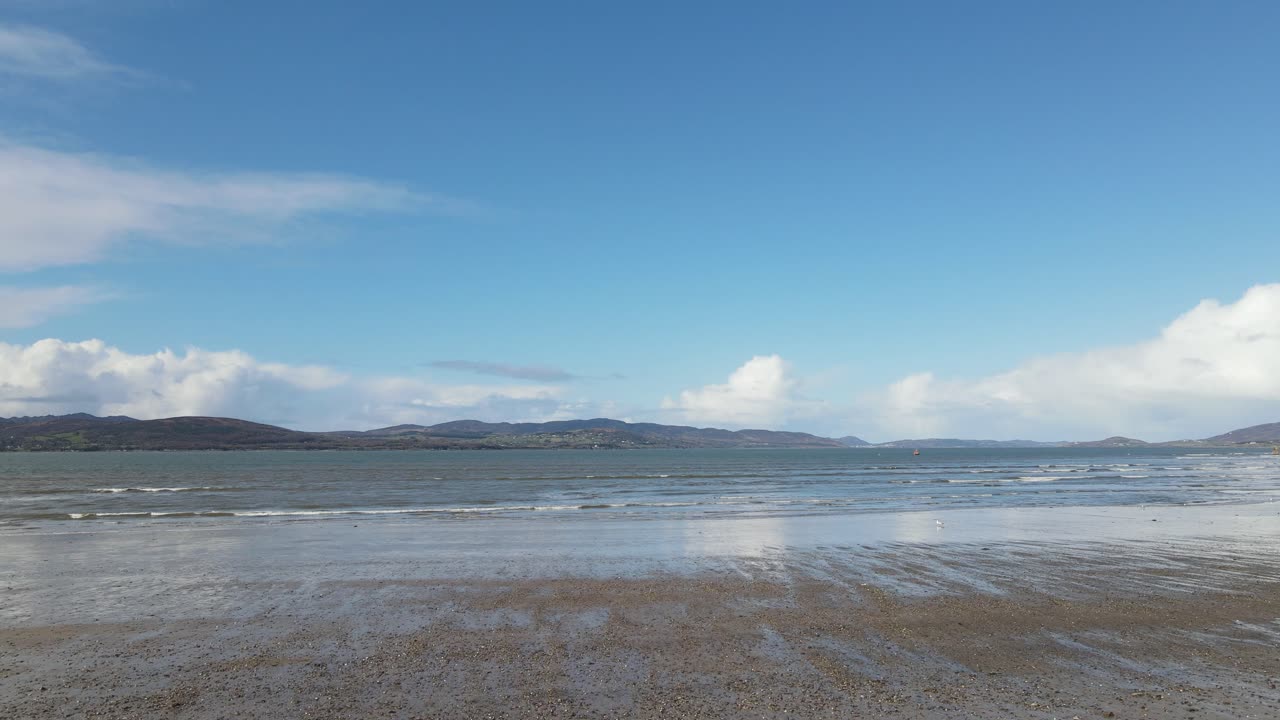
[{"x": 419, "y": 486}]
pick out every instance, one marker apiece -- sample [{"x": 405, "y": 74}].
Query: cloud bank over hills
[
  {"x": 1217, "y": 365},
  {"x": 56, "y": 377}
]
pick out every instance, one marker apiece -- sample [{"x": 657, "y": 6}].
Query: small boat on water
[
  {"x": 1275, "y": 449},
  {"x": 917, "y": 452}
]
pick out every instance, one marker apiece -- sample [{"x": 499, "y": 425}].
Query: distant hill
[
  {"x": 1261, "y": 434},
  {"x": 81, "y": 431},
  {"x": 87, "y": 432},
  {"x": 1114, "y": 441},
  {"x": 1265, "y": 434},
  {"x": 646, "y": 434},
  {"x": 72, "y": 416},
  {"x": 943, "y": 443}
]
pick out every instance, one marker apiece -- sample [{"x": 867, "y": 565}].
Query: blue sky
[{"x": 643, "y": 199}]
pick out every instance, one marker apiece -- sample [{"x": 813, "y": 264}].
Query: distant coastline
[{"x": 88, "y": 433}]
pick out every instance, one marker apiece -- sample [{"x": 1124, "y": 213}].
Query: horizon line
[{"x": 284, "y": 426}]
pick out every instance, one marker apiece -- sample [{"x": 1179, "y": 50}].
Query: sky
[{"x": 909, "y": 219}]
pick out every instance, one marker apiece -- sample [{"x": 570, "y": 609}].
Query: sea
[{"x": 565, "y": 485}]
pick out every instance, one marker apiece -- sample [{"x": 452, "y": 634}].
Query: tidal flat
[{"x": 1034, "y": 612}]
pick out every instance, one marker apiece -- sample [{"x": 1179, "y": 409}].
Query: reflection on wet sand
[{"x": 756, "y": 537}]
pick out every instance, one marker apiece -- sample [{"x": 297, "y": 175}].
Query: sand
[{"x": 328, "y": 619}]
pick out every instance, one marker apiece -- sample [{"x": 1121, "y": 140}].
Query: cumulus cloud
[
  {"x": 761, "y": 393},
  {"x": 49, "y": 375},
  {"x": 27, "y": 51},
  {"x": 1212, "y": 369},
  {"x": 60, "y": 208},
  {"x": 26, "y": 307},
  {"x": 55, "y": 377},
  {"x": 519, "y": 372}
]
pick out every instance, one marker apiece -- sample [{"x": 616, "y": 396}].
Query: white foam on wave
[
  {"x": 152, "y": 489},
  {"x": 176, "y": 513},
  {"x": 397, "y": 511},
  {"x": 422, "y": 511},
  {"x": 490, "y": 509}
]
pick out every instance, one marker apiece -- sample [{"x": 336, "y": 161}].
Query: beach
[
  {"x": 1170, "y": 611},
  {"x": 473, "y": 361}
]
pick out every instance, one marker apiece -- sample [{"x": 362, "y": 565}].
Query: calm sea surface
[{"x": 419, "y": 486}]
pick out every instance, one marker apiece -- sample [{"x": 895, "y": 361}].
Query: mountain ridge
[
  {"x": 81, "y": 431},
  {"x": 1265, "y": 433},
  {"x": 89, "y": 433}
]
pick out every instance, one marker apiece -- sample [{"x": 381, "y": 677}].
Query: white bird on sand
[{"x": 940, "y": 523}]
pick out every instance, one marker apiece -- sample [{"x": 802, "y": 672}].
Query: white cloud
[
  {"x": 28, "y": 51},
  {"x": 396, "y": 400},
  {"x": 1214, "y": 368},
  {"x": 55, "y": 377},
  {"x": 25, "y": 307},
  {"x": 59, "y": 208},
  {"x": 52, "y": 376},
  {"x": 761, "y": 393}
]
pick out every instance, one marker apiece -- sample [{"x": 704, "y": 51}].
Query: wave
[
  {"x": 754, "y": 475},
  {"x": 406, "y": 511},
  {"x": 493, "y": 509},
  {"x": 205, "y": 488},
  {"x": 463, "y": 509},
  {"x": 180, "y": 514}
]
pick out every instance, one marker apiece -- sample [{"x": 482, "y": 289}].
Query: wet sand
[{"x": 1124, "y": 612}]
